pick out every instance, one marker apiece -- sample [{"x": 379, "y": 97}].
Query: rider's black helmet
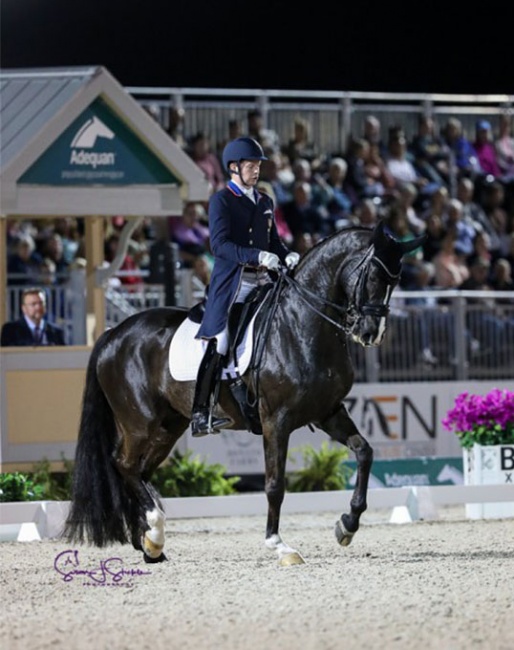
[{"x": 242, "y": 149}]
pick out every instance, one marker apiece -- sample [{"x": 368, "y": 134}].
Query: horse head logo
[{"x": 86, "y": 136}]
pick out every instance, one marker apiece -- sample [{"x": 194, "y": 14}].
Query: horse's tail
[{"x": 100, "y": 506}]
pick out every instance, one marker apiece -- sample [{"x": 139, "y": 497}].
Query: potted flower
[
  {"x": 484, "y": 425},
  {"x": 482, "y": 419}
]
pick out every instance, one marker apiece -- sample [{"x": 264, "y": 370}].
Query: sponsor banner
[
  {"x": 398, "y": 420},
  {"x": 412, "y": 472},
  {"x": 98, "y": 149}
]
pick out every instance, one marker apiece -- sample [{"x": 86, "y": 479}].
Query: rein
[{"x": 308, "y": 296}]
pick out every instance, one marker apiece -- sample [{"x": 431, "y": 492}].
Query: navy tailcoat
[{"x": 239, "y": 231}]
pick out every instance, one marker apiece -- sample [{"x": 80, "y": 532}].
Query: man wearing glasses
[{"x": 33, "y": 328}]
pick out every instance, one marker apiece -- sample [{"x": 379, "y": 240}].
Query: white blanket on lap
[{"x": 186, "y": 352}]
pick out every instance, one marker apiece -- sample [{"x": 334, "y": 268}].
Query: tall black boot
[
  {"x": 202, "y": 423},
  {"x": 250, "y": 411}
]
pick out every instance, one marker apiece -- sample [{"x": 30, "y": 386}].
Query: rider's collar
[{"x": 241, "y": 191}]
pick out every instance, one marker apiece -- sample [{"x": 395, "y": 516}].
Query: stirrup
[{"x": 204, "y": 423}]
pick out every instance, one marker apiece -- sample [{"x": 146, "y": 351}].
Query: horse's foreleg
[
  {"x": 275, "y": 454},
  {"x": 341, "y": 428},
  {"x": 348, "y": 525}
]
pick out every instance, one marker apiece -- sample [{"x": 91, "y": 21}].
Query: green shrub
[
  {"x": 323, "y": 469},
  {"x": 184, "y": 476},
  {"x": 16, "y": 486}
]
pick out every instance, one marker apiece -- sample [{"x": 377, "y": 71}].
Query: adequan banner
[{"x": 98, "y": 148}]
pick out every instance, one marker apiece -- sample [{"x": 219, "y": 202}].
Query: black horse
[{"x": 134, "y": 412}]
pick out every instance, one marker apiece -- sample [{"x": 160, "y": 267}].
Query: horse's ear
[
  {"x": 412, "y": 244},
  {"x": 380, "y": 237}
]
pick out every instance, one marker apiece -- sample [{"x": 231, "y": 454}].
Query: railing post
[{"x": 460, "y": 338}]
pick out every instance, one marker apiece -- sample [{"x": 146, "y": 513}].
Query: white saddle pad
[{"x": 186, "y": 352}]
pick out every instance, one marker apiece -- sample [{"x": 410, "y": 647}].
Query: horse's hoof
[
  {"x": 343, "y": 536},
  {"x": 291, "y": 558},
  {"x": 154, "y": 560}
]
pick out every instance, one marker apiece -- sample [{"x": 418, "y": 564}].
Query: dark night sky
[{"x": 194, "y": 43}]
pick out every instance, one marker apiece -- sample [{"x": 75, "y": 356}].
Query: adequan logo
[{"x": 86, "y": 138}]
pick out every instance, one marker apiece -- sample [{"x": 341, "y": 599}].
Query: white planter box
[{"x": 490, "y": 465}]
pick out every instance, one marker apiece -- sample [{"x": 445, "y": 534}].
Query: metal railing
[
  {"x": 431, "y": 336},
  {"x": 332, "y": 115}
]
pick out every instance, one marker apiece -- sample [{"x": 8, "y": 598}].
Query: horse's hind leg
[
  {"x": 137, "y": 459},
  {"x": 340, "y": 427}
]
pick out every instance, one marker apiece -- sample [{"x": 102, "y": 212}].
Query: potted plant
[{"x": 484, "y": 425}]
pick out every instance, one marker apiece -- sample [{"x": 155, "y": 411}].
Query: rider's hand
[
  {"x": 269, "y": 261},
  {"x": 292, "y": 260}
]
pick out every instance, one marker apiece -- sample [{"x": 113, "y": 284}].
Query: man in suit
[{"x": 33, "y": 329}]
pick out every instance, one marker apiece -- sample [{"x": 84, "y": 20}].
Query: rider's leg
[{"x": 208, "y": 375}]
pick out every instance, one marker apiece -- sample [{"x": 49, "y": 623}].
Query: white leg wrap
[{"x": 155, "y": 519}]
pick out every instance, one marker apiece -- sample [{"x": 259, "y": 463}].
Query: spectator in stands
[
  {"x": 376, "y": 170},
  {"x": 493, "y": 201},
  {"x": 276, "y": 171},
  {"x": 235, "y": 130},
  {"x": 504, "y": 146},
  {"x": 450, "y": 264},
  {"x": 33, "y": 328},
  {"x": 68, "y": 229},
  {"x": 176, "y": 125},
  {"x": 501, "y": 278},
  {"x": 128, "y": 270},
  {"x": 301, "y": 144},
  {"x": 52, "y": 249},
  {"x": 302, "y": 215},
  {"x": 283, "y": 230},
  {"x": 430, "y": 154},
  {"x": 463, "y": 228},
  {"x": 485, "y": 325},
  {"x": 359, "y": 184},
  {"x": 24, "y": 263},
  {"x": 429, "y": 322},
  {"x": 474, "y": 213},
  {"x": 339, "y": 205},
  {"x": 485, "y": 149},
  {"x": 435, "y": 232},
  {"x": 267, "y": 138},
  {"x": 366, "y": 213},
  {"x": 200, "y": 152},
  {"x": 373, "y": 134},
  {"x": 407, "y": 195},
  {"x": 191, "y": 233},
  {"x": 464, "y": 157},
  {"x": 403, "y": 171}
]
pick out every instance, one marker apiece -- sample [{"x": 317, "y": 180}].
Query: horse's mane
[{"x": 335, "y": 235}]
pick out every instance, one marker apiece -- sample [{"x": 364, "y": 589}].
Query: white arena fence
[
  {"x": 37, "y": 520},
  {"x": 470, "y": 334}
]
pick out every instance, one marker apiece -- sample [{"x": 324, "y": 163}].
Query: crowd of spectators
[{"x": 459, "y": 191}]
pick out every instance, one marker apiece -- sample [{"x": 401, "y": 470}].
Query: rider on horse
[{"x": 245, "y": 244}]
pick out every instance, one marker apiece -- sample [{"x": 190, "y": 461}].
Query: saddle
[{"x": 239, "y": 318}]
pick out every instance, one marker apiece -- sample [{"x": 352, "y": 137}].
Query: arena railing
[
  {"x": 432, "y": 335},
  {"x": 332, "y": 115}
]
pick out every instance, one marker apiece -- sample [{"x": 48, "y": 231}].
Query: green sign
[
  {"x": 98, "y": 149},
  {"x": 413, "y": 471}
]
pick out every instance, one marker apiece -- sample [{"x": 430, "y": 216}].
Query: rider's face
[{"x": 250, "y": 170}]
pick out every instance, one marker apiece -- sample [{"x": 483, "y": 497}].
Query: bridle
[{"x": 356, "y": 304}]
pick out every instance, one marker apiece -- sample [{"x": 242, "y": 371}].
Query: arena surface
[{"x": 441, "y": 585}]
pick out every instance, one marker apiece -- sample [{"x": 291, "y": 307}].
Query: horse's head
[{"x": 371, "y": 285}]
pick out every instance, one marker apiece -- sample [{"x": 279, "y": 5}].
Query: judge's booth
[{"x": 74, "y": 143}]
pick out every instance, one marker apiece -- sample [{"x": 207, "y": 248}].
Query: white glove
[
  {"x": 292, "y": 260},
  {"x": 269, "y": 260}
]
